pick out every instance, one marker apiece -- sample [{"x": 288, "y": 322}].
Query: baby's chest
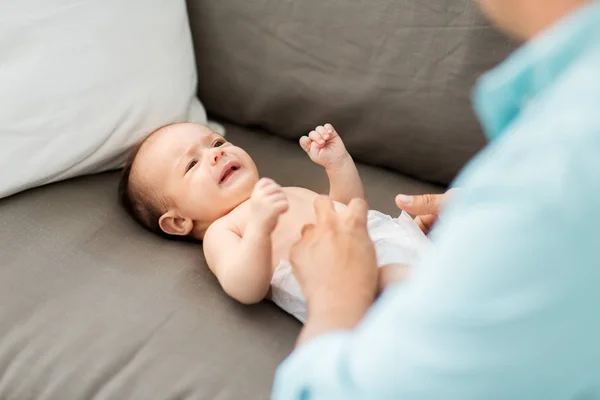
[{"x": 289, "y": 228}]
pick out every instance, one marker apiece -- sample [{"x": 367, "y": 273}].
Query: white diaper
[{"x": 396, "y": 240}]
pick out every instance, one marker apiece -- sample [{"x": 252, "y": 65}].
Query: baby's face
[{"x": 202, "y": 176}]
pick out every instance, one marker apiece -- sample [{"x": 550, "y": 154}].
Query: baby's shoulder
[{"x": 223, "y": 226}]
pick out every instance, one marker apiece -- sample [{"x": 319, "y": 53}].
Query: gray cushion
[
  {"x": 393, "y": 75},
  {"x": 92, "y": 305}
]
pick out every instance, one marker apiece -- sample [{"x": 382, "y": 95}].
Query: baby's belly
[
  {"x": 289, "y": 229},
  {"x": 284, "y": 239}
]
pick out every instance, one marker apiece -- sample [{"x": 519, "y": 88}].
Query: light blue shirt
[{"x": 507, "y": 303}]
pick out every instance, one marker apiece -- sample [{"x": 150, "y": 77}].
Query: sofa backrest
[{"x": 394, "y": 76}]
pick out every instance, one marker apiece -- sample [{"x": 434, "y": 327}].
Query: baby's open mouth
[{"x": 228, "y": 170}]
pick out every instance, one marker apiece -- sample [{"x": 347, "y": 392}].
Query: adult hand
[
  {"x": 425, "y": 207},
  {"x": 335, "y": 264}
]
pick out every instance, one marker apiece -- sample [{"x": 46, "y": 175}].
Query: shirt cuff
[{"x": 315, "y": 370}]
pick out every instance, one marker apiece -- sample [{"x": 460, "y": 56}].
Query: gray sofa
[{"x": 92, "y": 306}]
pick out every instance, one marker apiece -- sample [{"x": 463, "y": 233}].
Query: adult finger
[
  {"x": 307, "y": 232},
  {"x": 426, "y": 222},
  {"x": 324, "y": 210},
  {"x": 300, "y": 248},
  {"x": 421, "y": 204},
  {"x": 357, "y": 211}
]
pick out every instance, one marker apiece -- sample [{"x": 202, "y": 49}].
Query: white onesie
[{"x": 397, "y": 240}]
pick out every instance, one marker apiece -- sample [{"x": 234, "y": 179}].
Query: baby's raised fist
[{"x": 324, "y": 146}]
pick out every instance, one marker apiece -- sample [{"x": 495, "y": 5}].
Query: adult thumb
[{"x": 424, "y": 204}]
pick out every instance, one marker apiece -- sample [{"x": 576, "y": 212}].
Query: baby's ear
[{"x": 174, "y": 224}]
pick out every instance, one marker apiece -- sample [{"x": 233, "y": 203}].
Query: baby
[{"x": 186, "y": 181}]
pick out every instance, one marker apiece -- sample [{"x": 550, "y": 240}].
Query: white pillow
[{"x": 82, "y": 81}]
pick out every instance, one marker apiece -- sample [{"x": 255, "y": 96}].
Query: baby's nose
[{"x": 218, "y": 154}]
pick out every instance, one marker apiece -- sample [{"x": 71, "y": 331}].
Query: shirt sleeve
[{"x": 503, "y": 307}]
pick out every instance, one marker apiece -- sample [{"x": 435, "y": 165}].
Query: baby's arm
[
  {"x": 344, "y": 181},
  {"x": 325, "y": 147},
  {"x": 243, "y": 265}
]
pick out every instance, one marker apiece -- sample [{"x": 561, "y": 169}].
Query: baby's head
[{"x": 183, "y": 177}]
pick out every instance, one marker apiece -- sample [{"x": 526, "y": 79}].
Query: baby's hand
[
  {"x": 268, "y": 202},
  {"x": 324, "y": 146}
]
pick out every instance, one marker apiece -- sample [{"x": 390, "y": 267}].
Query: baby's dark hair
[{"x": 141, "y": 202}]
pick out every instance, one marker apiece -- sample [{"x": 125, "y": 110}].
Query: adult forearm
[{"x": 344, "y": 181}]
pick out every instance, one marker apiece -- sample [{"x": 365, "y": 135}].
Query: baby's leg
[{"x": 390, "y": 274}]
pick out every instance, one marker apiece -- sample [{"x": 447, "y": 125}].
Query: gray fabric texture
[
  {"x": 394, "y": 76},
  {"x": 95, "y": 307}
]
